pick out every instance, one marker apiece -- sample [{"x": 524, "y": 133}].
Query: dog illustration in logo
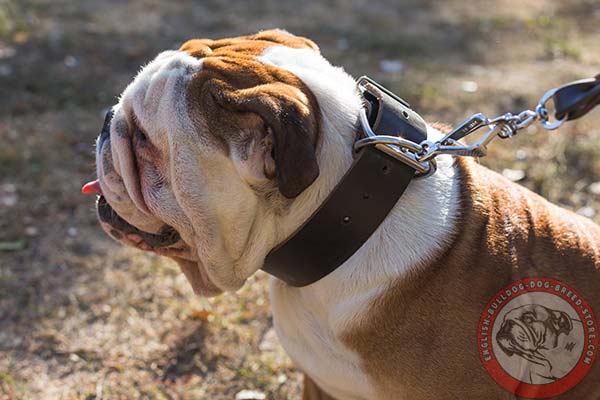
[{"x": 544, "y": 339}]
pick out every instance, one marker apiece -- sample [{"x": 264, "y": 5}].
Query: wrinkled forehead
[
  {"x": 237, "y": 62},
  {"x": 245, "y": 46},
  {"x": 539, "y": 312}
]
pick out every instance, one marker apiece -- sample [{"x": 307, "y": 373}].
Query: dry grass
[{"x": 82, "y": 317}]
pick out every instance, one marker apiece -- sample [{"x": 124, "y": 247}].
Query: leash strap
[
  {"x": 576, "y": 99},
  {"x": 359, "y": 203}
]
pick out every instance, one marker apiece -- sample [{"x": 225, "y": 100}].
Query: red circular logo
[{"x": 537, "y": 338}]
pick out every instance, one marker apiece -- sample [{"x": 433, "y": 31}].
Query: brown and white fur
[{"x": 211, "y": 152}]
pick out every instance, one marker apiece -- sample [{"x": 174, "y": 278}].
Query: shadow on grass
[{"x": 189, "y": 357}]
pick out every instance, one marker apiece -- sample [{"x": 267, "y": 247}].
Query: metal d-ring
[
  {"x": 401, "y": 149},
  {"x": 385, "y": 139},
  {"x": 542, "y": 112}
]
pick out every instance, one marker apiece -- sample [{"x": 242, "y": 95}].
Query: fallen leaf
[{"x": 201, "y": 315}]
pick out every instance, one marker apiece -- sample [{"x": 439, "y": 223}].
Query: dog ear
[{"x": 288, "y": 116}]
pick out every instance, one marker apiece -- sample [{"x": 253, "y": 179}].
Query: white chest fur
[
  {"x": 311, "y": 321},
  {"x": 309, "y": 336}
]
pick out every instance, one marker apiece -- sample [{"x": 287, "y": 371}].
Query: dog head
[
  {"x": 214, "y": 153},
  {"x": 530, "y": 328}
]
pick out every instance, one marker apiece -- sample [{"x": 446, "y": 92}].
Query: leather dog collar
[{"x": 360, "y": 201}]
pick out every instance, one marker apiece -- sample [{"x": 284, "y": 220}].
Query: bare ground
[{"x": 84, "y": 318}]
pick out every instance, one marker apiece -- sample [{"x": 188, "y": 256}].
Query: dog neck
[{"x": 417, "y": 228}]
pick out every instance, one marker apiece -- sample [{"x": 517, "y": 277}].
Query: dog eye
[{"x": 139, "y": 135}]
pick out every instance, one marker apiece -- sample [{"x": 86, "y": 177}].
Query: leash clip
[
  {"x": 504, "y": 126},
  {"x": 571, "y": 101},
  {"x": 578, "y": 98}
]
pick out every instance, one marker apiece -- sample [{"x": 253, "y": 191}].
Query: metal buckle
[{"x": 401, "y": 149}]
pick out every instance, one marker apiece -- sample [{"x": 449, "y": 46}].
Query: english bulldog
[
  {"x": 542, "y": 339},
  {"x": 219, "y": 151}
]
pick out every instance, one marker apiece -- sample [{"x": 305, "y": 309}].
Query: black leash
[
  {"x": 392, "y": 151},
  {"x": 577, "y": 98}
]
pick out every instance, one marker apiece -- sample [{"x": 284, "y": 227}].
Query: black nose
[
  {"x": 105, "y": 128},
  {"x": 505, "y": 331},
  {"x": 504, "y": 336}
]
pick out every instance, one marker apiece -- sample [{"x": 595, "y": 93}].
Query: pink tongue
[{"x": 92, "y": 187}]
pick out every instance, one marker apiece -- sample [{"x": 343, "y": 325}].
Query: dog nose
[
  {"x": 105, "y": 133},
  {"x": 505, "y": 329},
  {"x": 94, "y": 186}
]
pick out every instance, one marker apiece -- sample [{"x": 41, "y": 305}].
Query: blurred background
[{"x": 84, "y": 318}]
